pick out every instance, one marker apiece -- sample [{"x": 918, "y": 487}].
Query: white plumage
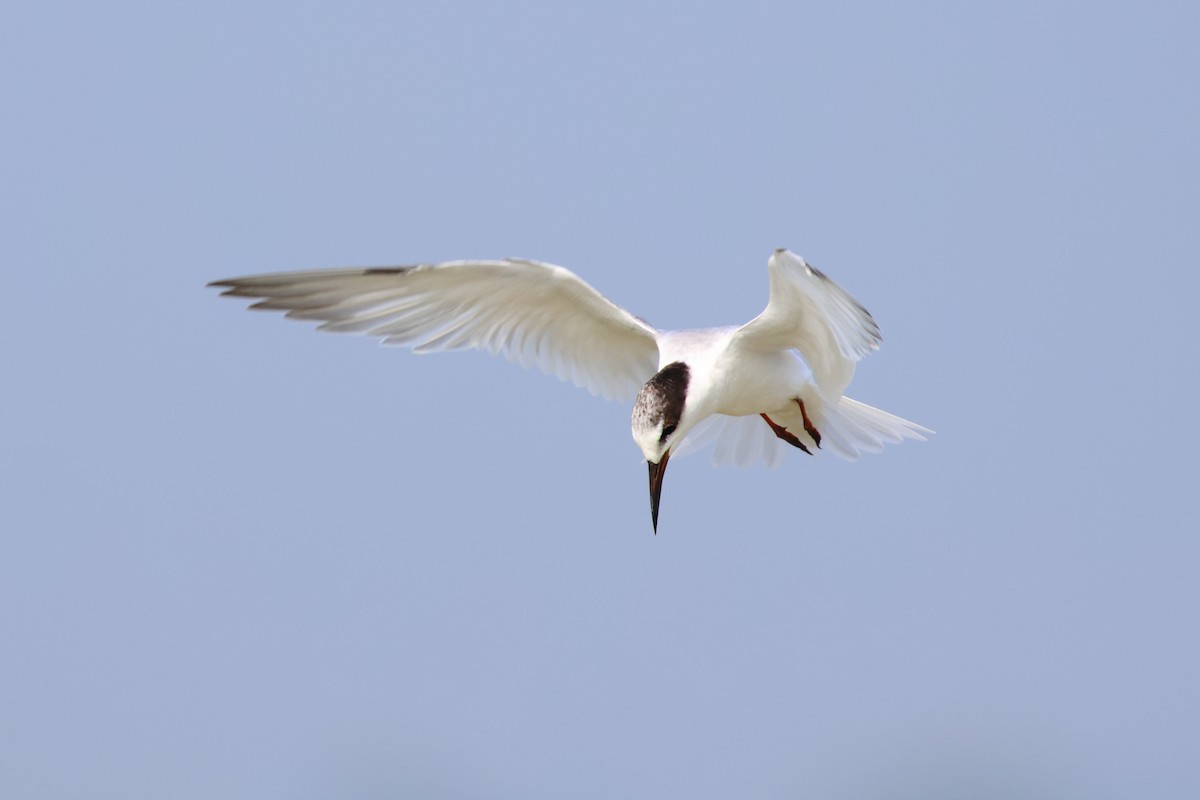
[
  {"x": 532, "y": 313},
  {"x": 756, "y": 390}
]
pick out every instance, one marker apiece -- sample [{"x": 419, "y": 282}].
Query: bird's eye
[{"x": 667, "y": 431}]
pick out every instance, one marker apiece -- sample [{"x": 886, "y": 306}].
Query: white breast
[{"x": 729, "y": 380}]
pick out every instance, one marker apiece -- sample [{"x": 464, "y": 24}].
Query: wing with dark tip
[
  {"x": 532, "y": 313},
  {"x": 811, "y": 314}
]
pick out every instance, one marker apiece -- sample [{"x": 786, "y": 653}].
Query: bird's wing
[
  {"x": 810, "y": 313},
  {"x": 529, "y": 312}
]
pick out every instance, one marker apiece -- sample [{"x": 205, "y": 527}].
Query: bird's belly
[{"x": 761, "y": 383}]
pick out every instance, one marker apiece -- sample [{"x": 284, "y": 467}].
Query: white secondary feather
[
  {"x": 532, "y": 313},
  {"x": 809, "y": 313}
]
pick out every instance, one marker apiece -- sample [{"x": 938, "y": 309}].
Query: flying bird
[{"x": 756, "y": 390}]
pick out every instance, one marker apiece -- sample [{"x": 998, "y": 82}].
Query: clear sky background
[{"x": 239, "y": 559}]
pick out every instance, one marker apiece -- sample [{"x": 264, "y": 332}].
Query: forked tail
[
  {"x": 847, "y": 429},
  {"x": 850, "y": 427}
]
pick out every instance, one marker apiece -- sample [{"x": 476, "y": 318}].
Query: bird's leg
[
  {"x": 785, "y": 434},
  {"x": 808, "y": 426}
]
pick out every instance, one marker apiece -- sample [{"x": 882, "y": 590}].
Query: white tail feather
[
  {"x": 847, "y": 429},
  {"x": 850, "y": 427}
]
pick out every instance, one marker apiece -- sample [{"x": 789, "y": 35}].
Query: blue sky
[{"x": 239, "y": 559}]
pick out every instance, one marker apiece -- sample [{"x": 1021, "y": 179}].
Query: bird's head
[{"x": 656, "y": 423}]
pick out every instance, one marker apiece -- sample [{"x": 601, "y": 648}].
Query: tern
[{"x": 756, "y": 389}]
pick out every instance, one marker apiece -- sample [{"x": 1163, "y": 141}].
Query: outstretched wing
[
  {"x": 810, "y": 313},
  {"x": 529, "y": 312}
]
